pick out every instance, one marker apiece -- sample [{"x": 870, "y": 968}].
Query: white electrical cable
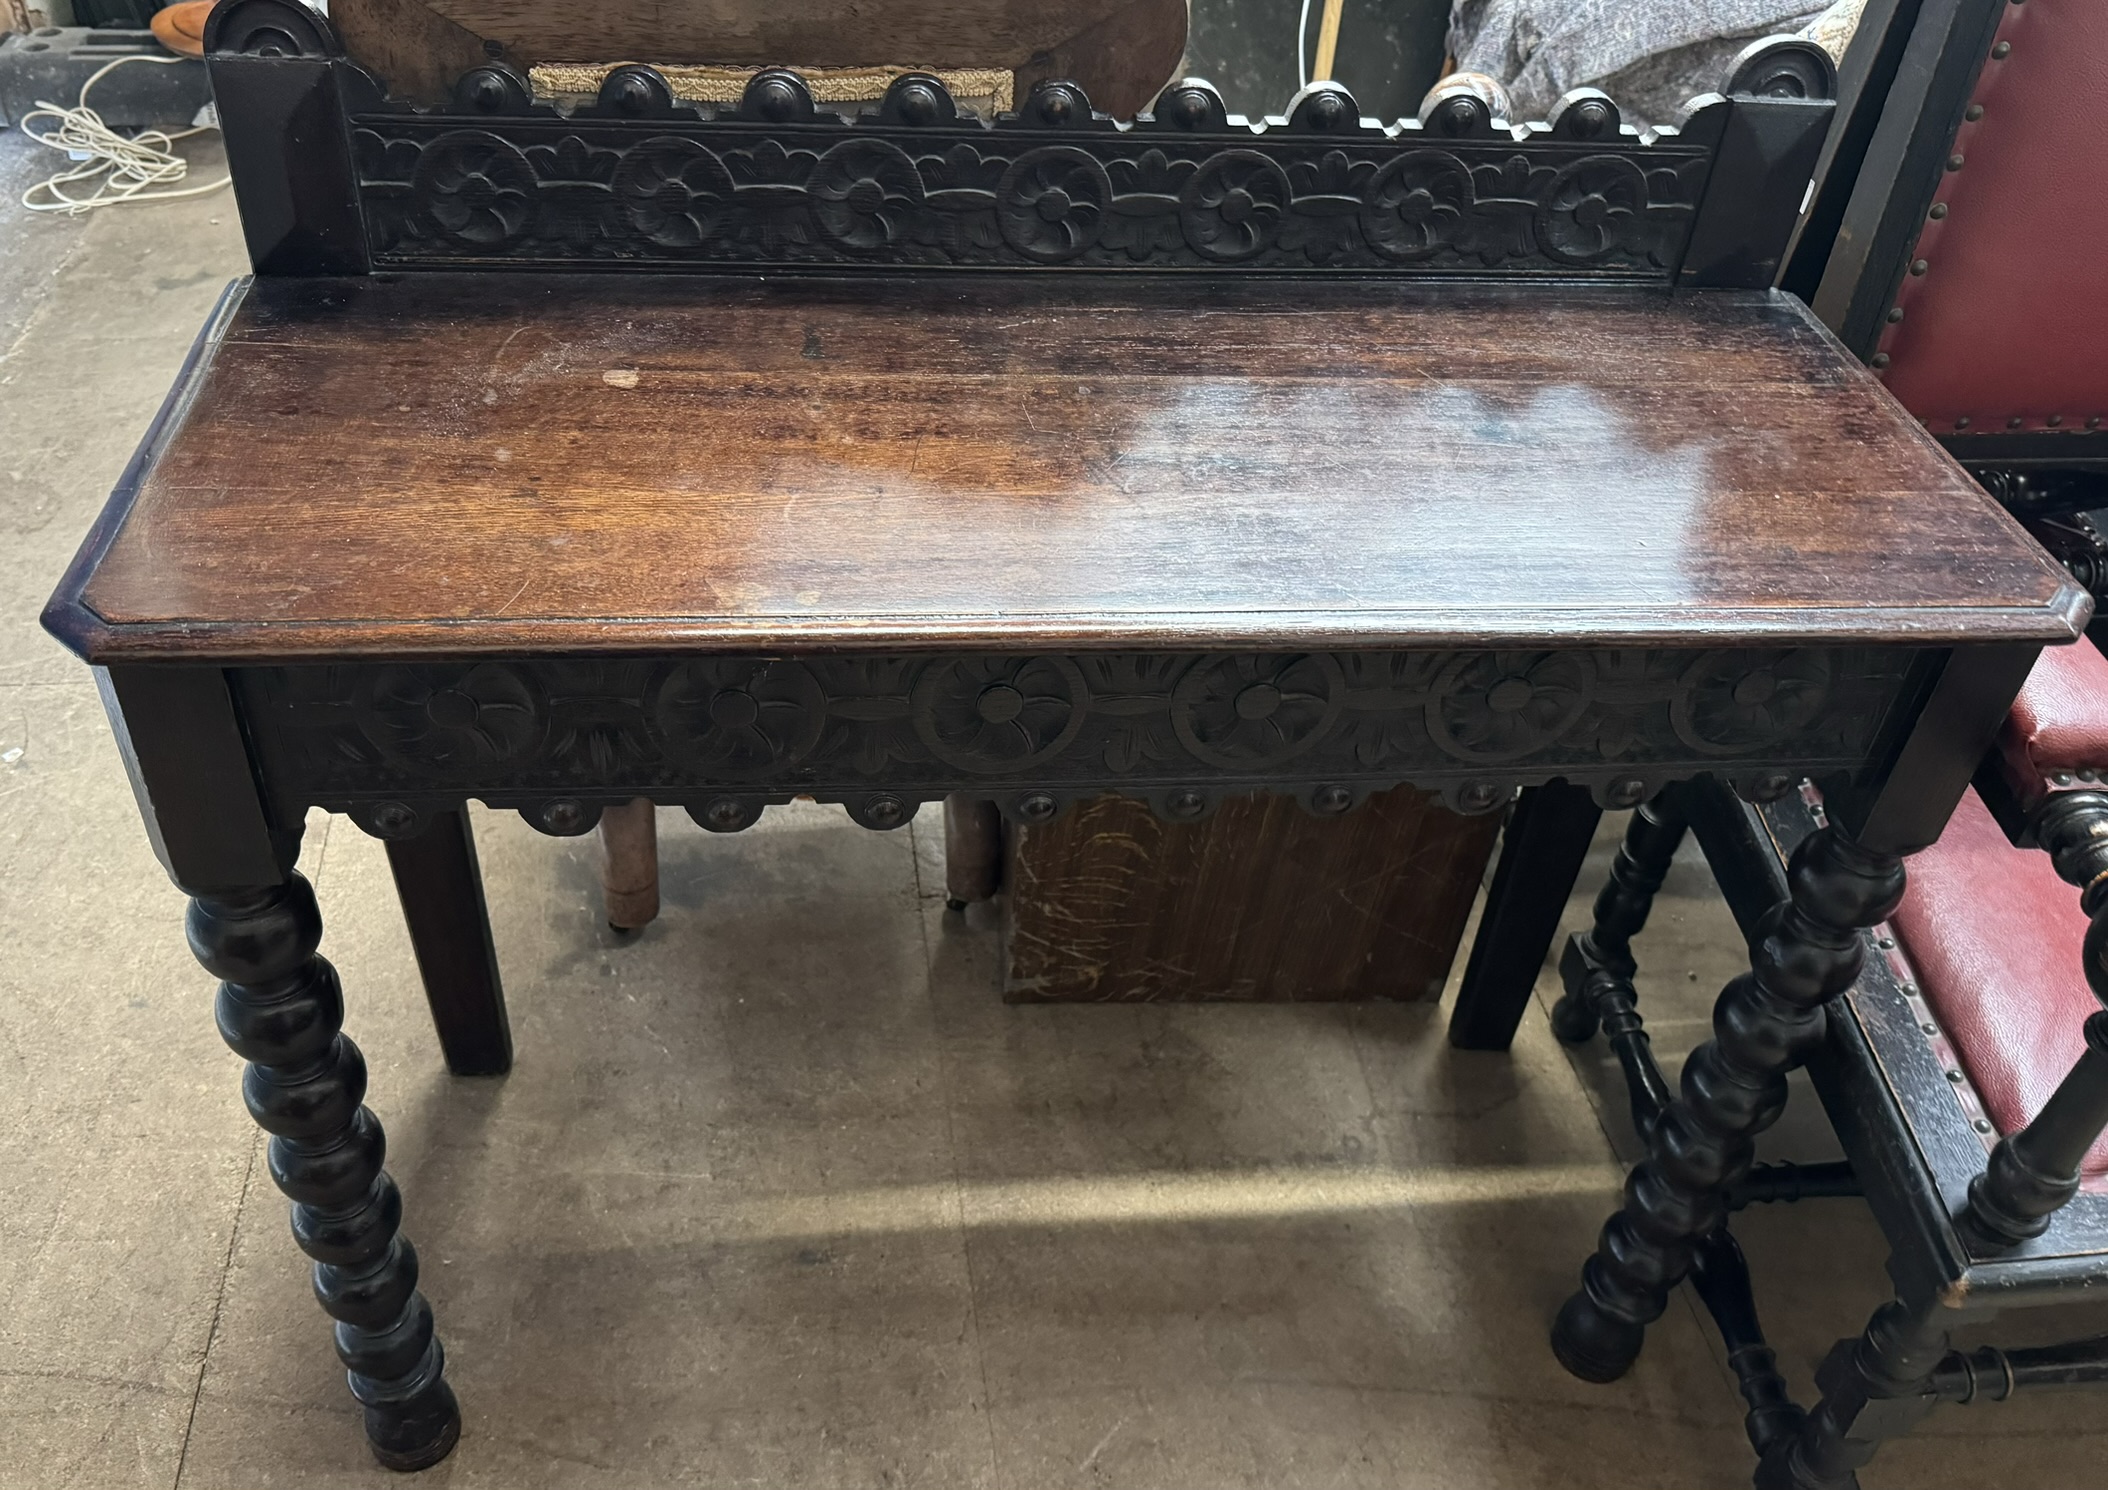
[
  {"x": 122, "y": 167},
  {"x": 1302, "y": 27}
]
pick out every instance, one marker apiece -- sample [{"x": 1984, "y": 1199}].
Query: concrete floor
[{"x": 780, "y": 1193}]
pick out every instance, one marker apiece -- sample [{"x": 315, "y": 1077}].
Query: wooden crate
[{"x": 1261, "y": 902}]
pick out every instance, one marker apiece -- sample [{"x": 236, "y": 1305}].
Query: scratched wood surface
[
  {"x": 489, "y": 464},
  {"x": 1260, "y": 903}
]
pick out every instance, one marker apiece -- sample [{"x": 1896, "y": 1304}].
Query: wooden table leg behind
[
  {"x": 1843, "y": 878},
  {"x": 254, "y": 924},
  {"x": 1547, "y": 837},
  {"x": 629, "y": 864},
  {"x": 973, "y": 849},
  {"x": 441, "y": 889}
]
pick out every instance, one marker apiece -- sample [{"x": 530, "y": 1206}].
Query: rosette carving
[
  {"x": 999, "y": 713},
  {"x": 476, "y": 189},
  {"x": 1232, "y": 207},
  {"x": 1488, "y": 707},
  {"x": 866, "y": 194},
  {"x": 1417, "y": 205},
  {"x": 1732, "y": 702},
  {"x": 1052, "y": 202},
  {"x": 1592, "y": 209},
  {"x": 673, "y": 191},
  {"x": 738, "y": 718},
  {"x": 1252, "y": 711},
  {"x": 454, "y": 720}
]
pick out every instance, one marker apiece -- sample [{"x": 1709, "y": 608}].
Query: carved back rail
[{"x": 334, "y": 176}]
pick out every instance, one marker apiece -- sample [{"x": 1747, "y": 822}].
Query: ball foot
[
  {"x": 418, "y": 1434},
  {"x": 1592, "y": 1344},
  {"x": 1573, "y": 1021}
]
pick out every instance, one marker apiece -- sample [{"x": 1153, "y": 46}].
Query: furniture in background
[
  {"x": 1964, "y": 1065},
  {"x": 1120, "y": 51},
  {"x": 1110, "y": 903},
  {"x": 777, "y": 501}
]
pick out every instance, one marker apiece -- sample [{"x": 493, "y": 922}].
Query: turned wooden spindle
[
  {"x": 2032, "y": 1173},
  {"x": 1720, "y": 1273},
  {"x": 1876, "y": 1386},
  {"x": 1808, "y": 951},
  {"x": 280, "y": 1009},
  {"x": 1652, "y": 837},
  {"x": 1873, "y": 1387},
  {"x": 629, "y": 864}
]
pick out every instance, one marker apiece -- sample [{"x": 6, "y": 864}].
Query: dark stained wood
[
  {"x": 440, "y": 885},
  {"x": 580, "y": 464},
  {"x": 280, "y": 1009},
  {"x": 1546, "y": 838},
  {"x": 1261, "y": 902}
]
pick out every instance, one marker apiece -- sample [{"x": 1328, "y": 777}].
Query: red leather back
[{"x": 2009, "y": 320}]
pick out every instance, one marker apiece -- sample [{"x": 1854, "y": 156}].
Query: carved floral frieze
[{"x": 920, "y": 725}]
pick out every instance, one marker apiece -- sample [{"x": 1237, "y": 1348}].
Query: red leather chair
[{"x": 1967, "y": 1071}]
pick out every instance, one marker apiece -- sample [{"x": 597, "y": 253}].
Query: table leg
[
  {"x": 1844, "y": 877},
  {"x": 1734, "y": 1087},
  {"x": 441, "y": 890},
  {"x": 1547, "y": 837},
  {"x": 973, "y": 850},
  {"x": 254, "y": 924},
  {"x": 1652, "y": 837},
  {"x": 629, "y": 864},
  {"x": 280, "y": 1009}
]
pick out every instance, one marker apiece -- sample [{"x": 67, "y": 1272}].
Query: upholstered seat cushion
[
  {"x": 1994, "y": 938},
  {"x": 2059, "y": 724}
]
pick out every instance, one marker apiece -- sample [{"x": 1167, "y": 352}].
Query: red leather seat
[{"x": 1993, "y": 937}]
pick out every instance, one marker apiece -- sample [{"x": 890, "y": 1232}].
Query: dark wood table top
[{"x": 452, "y": 465}]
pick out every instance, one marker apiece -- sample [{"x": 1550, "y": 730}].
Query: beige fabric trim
[{"x": 828, "y": 84}]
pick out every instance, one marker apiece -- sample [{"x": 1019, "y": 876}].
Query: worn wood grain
[
  {"x": 1261, "y": 902},
  {"x": 1121, "y": 51},
  {"x": 457, "y": 465}
]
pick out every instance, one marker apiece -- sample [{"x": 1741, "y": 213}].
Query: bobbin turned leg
[
  {"x": 1652, "y": 837},
  {"x": 281, "y": 1010},
  {"x": 1734, "y": 1087}
]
